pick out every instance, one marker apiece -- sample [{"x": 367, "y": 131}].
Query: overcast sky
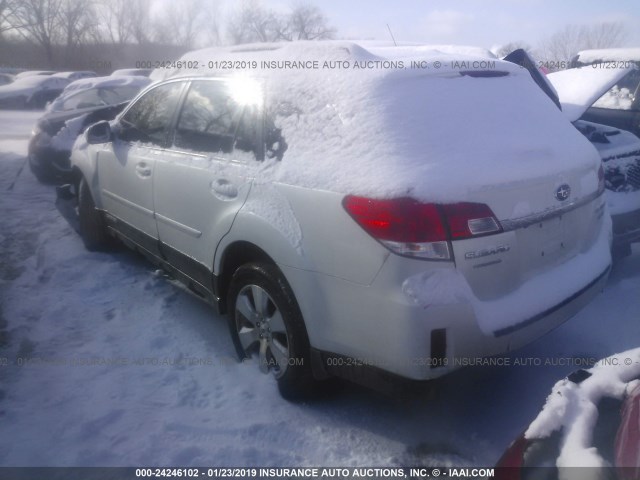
[{"x": 485, "y": 23}]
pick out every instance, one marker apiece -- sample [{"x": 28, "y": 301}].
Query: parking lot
[{"x": 108, "y": 362}]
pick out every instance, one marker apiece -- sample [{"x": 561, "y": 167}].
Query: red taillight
[
  {"x": 470, "y": 219},
  {"x": 416, "y": 229},
  {"x": 397, "y": 220}
]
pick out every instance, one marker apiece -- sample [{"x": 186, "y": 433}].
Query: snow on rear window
[{"x": 434, "y": 138}]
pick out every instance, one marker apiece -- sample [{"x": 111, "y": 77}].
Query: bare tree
[
  {"x": 307, "y": 22},
  {"x": 562, "y": 45},
  {"x": 211, "y": 23},
  {"x": 76, "y": 19},
  {"x": 7, "y": 9},
  {"x": 180, "y": 23},
  {"x": 116, "y": 20},
  {"x": 77, "y": 24},
  {"x": 39, "y": 20},
  {"x": 254, "y": 23},
  {"x": 140, "y": 21}
]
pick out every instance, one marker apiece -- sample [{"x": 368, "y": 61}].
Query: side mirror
[{"x": 99, "y": 133}]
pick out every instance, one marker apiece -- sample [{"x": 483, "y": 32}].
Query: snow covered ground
[{"x": 110, "y": 364}]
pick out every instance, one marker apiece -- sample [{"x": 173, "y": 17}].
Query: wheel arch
[{"x": 234, "y": 256}]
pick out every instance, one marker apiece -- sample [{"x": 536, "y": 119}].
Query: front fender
[{"x": 83, "y": 161}]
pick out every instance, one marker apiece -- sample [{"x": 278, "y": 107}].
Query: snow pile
[
  {"x": 572, "y": 408},
  {"x": 579, "y": 88},
  {"x": 379, "y": 128}
]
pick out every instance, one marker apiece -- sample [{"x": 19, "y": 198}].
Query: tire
[
  {"x": 92, "y": 226},
  {"x": 273, "y": 328}
]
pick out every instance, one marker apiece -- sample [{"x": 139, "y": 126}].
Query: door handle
[
  {"x": 143, "y": 170},
  {"x": 223, "y": 189}
]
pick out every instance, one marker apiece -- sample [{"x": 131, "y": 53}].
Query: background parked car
[
  {"x": 603, "y": 55},
  {"x": 432, "y": 243},
  {"x": 579, "y": 89},
  {"x": 32, "y": 73},
  {"x": 6, "y": 78},
  {"x": 140, "y": 72},
  {"x": 82, "y": 103},
  {"x": 31, "y": 91},
  {"x": 590, "y": 420},
  {"x": 72, "y": 76},
  {"x": 619, "y": 106}
]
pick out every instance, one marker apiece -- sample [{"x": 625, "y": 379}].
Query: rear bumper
[
  {"x": 422, "y": 364},
  {"x": 357, "y": 328},
  {"x": 51, "y": 163}
]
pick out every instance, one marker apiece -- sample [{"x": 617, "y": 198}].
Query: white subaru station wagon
[{"x": 355, "y": 215}]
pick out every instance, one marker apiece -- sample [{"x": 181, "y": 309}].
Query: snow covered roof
[
  {"x": 103, "y": 82},
  {"x": 31, "y": 73},
  {"x": 579, "y": 88},
  {"x": 75, "y": 74},
  {"x": 131, "y": 72},
  {"x": 369, "y": 55},
  {"x": 572, "y": 407},
  {"x": 608, "y": 55},
  {"x": 372, "y": 125},
  {"x": 32, "y": 81},
  {"x": 411, "y": 49}
]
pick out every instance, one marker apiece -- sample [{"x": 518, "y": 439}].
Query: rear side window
[
  {"x": 623, "y": 95},
  {"x": 215, "y": 120},
  {"x": 149, "y": 119}
]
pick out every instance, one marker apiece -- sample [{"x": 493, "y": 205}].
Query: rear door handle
[{"x": 223, "y": 189}]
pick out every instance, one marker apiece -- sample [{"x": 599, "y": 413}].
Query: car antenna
[{"x": 392, "y": 37}]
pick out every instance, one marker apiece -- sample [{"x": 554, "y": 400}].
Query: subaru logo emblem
[{"x": 563, "y": 192}]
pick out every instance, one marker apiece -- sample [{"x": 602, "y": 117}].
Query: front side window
[
  {"x": 216, "y": 120},
  {"x": 149, "y": 119}
]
